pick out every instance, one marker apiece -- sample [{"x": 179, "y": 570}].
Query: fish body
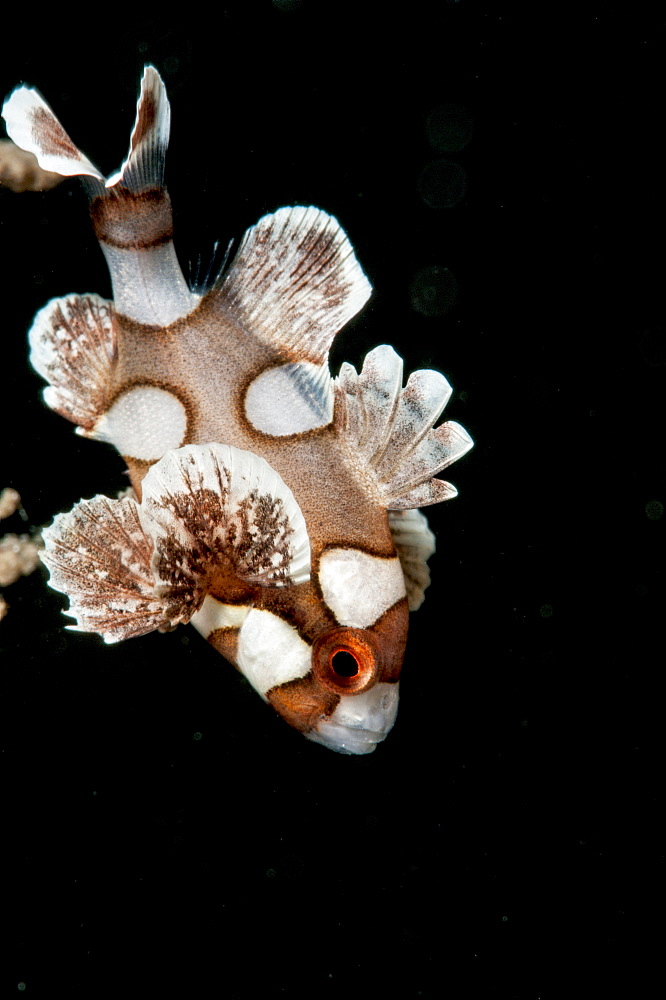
[{"x": 273, "y": 507}]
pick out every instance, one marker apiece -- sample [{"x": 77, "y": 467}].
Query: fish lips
[{"x": 359, "y": 721}]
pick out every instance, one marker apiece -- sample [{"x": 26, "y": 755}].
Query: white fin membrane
[
  {"x": 73, "y": 343},
  {"x": 390, "y": 430},
  {"x": 32, "y": 125},
  {"x": 144, "y": 165},
  {"x": 414, "y": 543},
  {"x": 129, "y": 568},
  {"x": 295, "y": 282}
]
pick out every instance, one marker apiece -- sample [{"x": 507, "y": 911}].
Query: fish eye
[{"x": 346, "y": 660}]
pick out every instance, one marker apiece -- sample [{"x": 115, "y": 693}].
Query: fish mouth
[{"x": 360, "y": 721}]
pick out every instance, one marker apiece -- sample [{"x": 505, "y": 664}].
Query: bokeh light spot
[
  {"x": 433, "y": 290},
  {"x": 654, "y": 510},
  {"x": 449, "y": 128},
  {"x": 442, "y": 184}
]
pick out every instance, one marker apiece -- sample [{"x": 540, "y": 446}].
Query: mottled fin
[
  {"x": 210, "y": 514},
  {"x": 295, "y": 282},
  {"x": 144, "y": 166},
  {"x": 73, "y": 347},
  {"x": 32, "y": 125},
  {"x": 415, "y": 543},
  {"x": 390, "y": 429},
  {"x": 213, "y": 506},
  {"x": 100, "y": 555}
]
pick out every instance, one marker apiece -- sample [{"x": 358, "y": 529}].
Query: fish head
[{"x": 336, "y": 682}]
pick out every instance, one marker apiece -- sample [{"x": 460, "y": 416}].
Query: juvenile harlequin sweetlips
[{"x": 274, "y": 507}]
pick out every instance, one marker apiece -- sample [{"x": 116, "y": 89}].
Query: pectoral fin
[{"x": 389, "y": 431}]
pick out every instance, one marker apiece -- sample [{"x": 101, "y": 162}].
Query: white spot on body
[
  {"x": 213, "y": 614},
  {"x": 358, "y": 587},
  {"x": 290, "y": 399},
  {"x": 270, "y": 651},
  {"x": 144, "y": 423}
]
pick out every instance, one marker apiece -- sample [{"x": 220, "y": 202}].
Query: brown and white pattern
[
  {"x": 210, "y": 515},
  {"x": 389, "y": 432},
  {"x": 213, "y": 505},
  {"x": 414, "y": 543},
  {"x": 100, "y": 555},
  {"x": 295, "y": 282},
  {"x": 249, "y": 464},
  {"x": 74, "y": 345}
]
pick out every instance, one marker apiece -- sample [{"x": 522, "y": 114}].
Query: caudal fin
[{"x": 33, "y": 126}]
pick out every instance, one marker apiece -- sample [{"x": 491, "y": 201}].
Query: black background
[{"x": 163, "y": 826}]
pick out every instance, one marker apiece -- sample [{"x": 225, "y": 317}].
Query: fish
[{"x": 274, "y": 507}]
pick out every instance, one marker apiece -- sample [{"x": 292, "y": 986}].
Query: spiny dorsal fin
[
  {"x": 390, "y": 429},
  {"x": 295, "y": 282}
]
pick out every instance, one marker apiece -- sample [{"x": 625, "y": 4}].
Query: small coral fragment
[
  {"x": 10, "y": 501},
  {"x": 20, "y": 171},
  {"x": 19, "y": 556}
]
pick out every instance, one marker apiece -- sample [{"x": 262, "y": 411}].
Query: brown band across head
[{"x": 132, "y": 220}]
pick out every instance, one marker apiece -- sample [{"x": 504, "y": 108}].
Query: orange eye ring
[{"x": 346, "y": 660}]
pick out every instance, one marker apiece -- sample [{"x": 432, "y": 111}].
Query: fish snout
[{"x": 360, "y": 721}]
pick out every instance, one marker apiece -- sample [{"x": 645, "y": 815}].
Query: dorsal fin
[{"x": 295, "y": 282}]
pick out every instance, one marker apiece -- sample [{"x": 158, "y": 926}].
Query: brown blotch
[
  {"x": 132, "y": 220},
  {"x": 391, "y": 632},
  {"x": 146, "y": 116},
  {"x": 303, "y": 702},
  {"x": 300, "y": 606},
  {"x": 225, "y": 641},
  {"x": 226, "y": 585},
  {"x": 51, "y": 136}
]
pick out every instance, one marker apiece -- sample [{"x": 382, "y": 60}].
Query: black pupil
[{"x": 344, "y": 664}]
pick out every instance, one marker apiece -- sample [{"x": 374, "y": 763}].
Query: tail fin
[
  {"x": 130, "y": 210},
  {"x": 144, "y": 166},
  {"x": 33, "y": 126}
]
